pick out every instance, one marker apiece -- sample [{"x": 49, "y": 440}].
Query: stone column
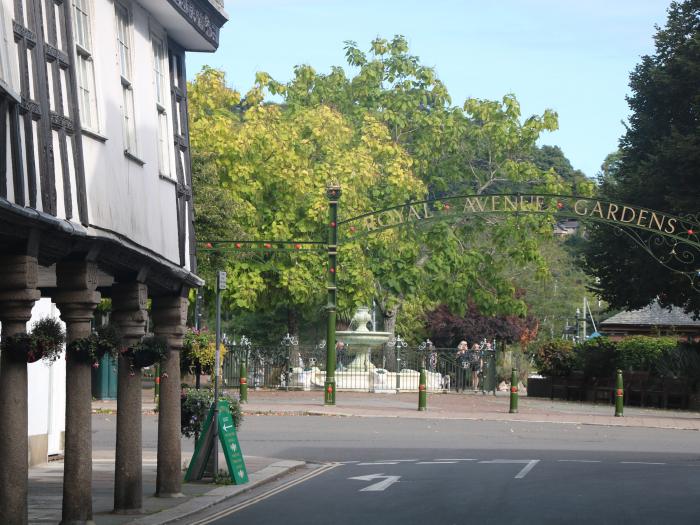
[
  {"x": 18, "y": 282},
  {"x": 169, "y": 320},
  {"x": 76, "y": 298},
  {"x": 130, "y": 315}
]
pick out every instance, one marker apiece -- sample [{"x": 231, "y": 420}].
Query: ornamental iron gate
[{"x": 379, "y": 370}]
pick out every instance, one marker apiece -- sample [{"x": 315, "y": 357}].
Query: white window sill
[
  {"x": 93, "y": 135},
  {"x": 133, "y": 158}
]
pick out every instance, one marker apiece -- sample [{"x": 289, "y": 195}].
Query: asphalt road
[{"x": 404, "y": 471}]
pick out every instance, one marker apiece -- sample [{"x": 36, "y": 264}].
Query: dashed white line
[
  {"x": 641, "y": 463},
  {"x": 436, "y": 463},
  {"x": 524, "y": 471},
  {"x": 454, "y": 459},
  {"x": 379, "y": 463},
  {"x": 579, "y": 461}
]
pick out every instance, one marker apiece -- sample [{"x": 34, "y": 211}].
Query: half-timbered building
[{"x": 95, "y": 202}]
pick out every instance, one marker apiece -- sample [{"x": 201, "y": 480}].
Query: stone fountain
[{"x": 360, "y": 342}]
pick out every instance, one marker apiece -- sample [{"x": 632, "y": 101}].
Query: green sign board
[{"x": 229, "y": 443}]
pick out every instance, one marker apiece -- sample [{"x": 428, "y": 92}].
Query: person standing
[
  {"x": 475, "y": 362},
  {"x": 462, "y": 366}
]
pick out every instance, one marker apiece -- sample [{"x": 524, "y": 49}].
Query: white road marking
[
  {"x": 380, "y": 463},
  {"x": 579, "y": 461},
  {"x": 436, "y": 463},
  {"x": 265, "y": 495},
  {"x": 400, "y": 460},
  {"x": 377, "y": 487},
  {"x": 455, "y": 459},
  {"x": 347, "y": 462},
  {"x": 527, "y": 468},
  {"x": 641, "y": 463}
]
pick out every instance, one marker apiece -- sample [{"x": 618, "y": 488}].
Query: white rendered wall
[
  {"x": 123, "y": 196},
  {"x": 47, "y": 388}
]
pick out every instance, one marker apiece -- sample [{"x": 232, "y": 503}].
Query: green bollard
[
  {"x": 422, "y": 392},
  {"x": 244, "y": 384},
  {"x": 514, "y": 392},
  {"x": 619, "y": 395}
]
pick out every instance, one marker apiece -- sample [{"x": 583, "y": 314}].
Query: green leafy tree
[
  {"x": 481, "y": 147},
  {"x": 657, "y": 167}
]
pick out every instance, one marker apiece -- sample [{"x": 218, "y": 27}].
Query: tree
[
  {"x": 268, "y": 166},
  {"x": 657, "y": 167},
  {"x": 481, "y": 147},
  {"x": 552, "y": 157}
]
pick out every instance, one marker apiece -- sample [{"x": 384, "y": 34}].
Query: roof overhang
[{"x": 193, "y": 24}]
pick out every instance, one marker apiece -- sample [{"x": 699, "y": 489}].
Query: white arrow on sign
[
  {"x": 227, "y": 427},
  {"x": 382, "y": 485}
]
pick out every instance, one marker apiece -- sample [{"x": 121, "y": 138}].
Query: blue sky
[{"x": 573, "y": 56}]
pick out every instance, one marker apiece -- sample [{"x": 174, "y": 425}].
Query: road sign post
[{"x": 220, "y": 285}]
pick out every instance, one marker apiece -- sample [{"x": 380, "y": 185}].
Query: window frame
[
  {"x": 124, "y": 39},
  {"x": 85, "y": 66},
  {"x": 9, "y": 72},
  {"x": 159, "y": 52}
]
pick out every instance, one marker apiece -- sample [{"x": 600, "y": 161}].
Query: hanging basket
[
  {"x": 150, "y": 350},
  {"x": 45, "y": 341},
  {"x": 91, "y": 349}
]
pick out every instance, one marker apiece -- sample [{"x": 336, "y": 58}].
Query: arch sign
[
  {"x": 558, "y": 206},
  {"x": 672, "y": 240}
]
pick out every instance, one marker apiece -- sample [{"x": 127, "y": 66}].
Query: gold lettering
[
  {"x": 370, "y": 222},
  {"x": 579, "y": 212},
  {"x": 597, "y": 209},
  {"x": 670, "y": 226},
  {"x": 379, "y": 220},
  {"x": 625, "y": 209},
  {"x": 612, "y": 210},
  {"x": 509, "y": 203},
  {"x": 642, "y": 217},
  {"x": 414, "y": 212},
  {"x": 468, "y": 204},
  {"x": 426, "y": 211},
  {"x": 539, "y": 203},
  {"x": 398, "y": 215},
  {"x": 494, "y": 202},
  {"x": 655, "y": 220}
]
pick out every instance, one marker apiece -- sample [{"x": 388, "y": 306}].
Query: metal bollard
[
  {"x": 244, "y": 384},
  {"x": 422, "y": 392},
  {"x": 619, "y": 395},
  {"x": 514, "y": 392}
]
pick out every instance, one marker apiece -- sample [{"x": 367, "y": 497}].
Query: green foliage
[
  {"x": 387, "y": 134},
  {"x": 555, "y": 358},
  {"x": 45, "y": 341},
  {"x": 656, "y": 168},
  {"x": 105, "y": 340},
  {"x": 199, "y": 350},
  {"x": 642, "y": 352},
  {"x": 195, "y": 404},
  {"x": 601, "y": 356},
  {"x": 149, "y": 350}
]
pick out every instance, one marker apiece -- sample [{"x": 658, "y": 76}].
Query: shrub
[
  {"x": 597, "y": 357},
  {"x": 555, "y": 358},
  {"x": 150, "y": 350},
  {"x": 642, "y": 352},
  {"x": 195, "y": 404}
]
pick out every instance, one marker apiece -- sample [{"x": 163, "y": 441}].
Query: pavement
[
  {"x": 466, "y": 406},
  {"x": 46, "y": 480}
]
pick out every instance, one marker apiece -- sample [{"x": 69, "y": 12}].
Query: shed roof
[{"x": 653, "y": 315}]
